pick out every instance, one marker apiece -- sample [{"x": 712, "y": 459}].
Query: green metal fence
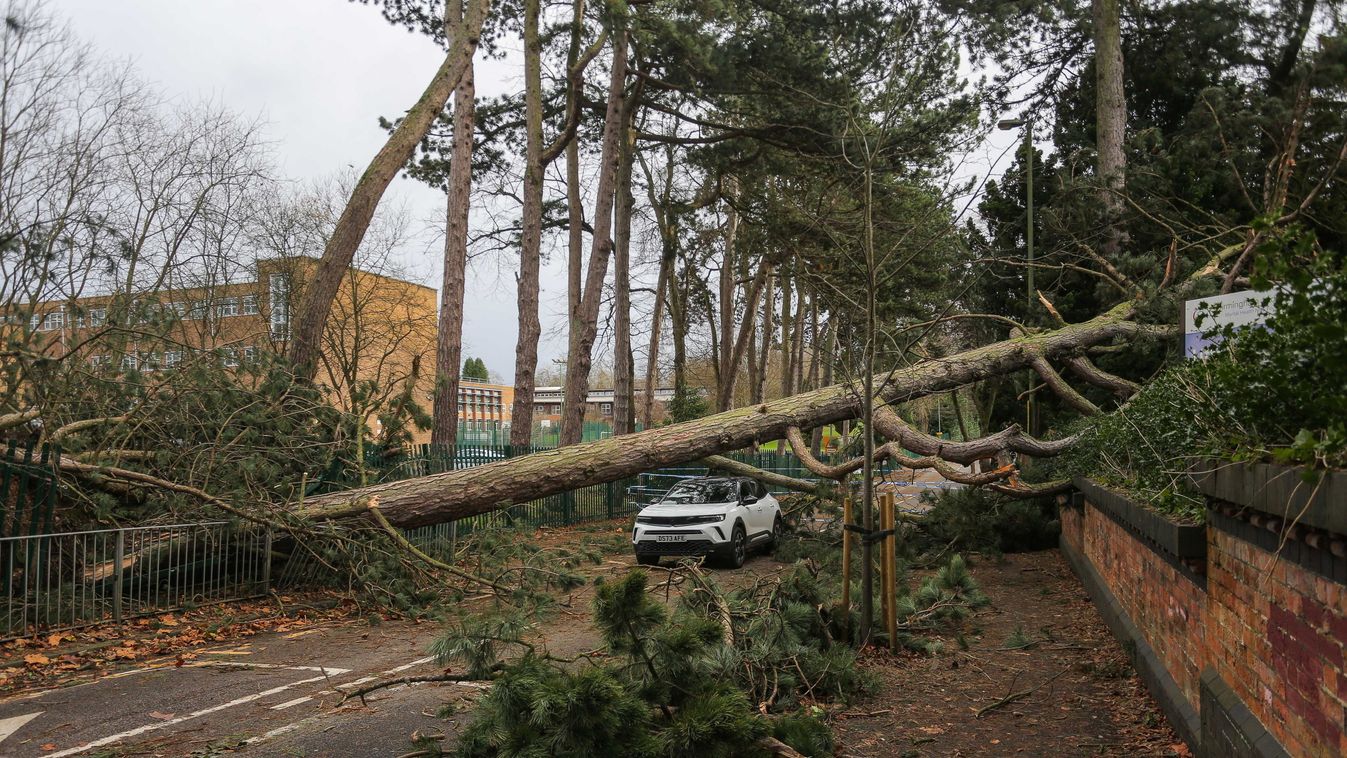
[{"x": 27, "y": 489}]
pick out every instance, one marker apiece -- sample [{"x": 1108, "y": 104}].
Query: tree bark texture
[
  {"x": 530, "y": 251},
  {"x": 623, "y": 370},
  {"x": 449, "y": 349},
  {"x": 1110, "y": 120},
  {"x": 457, "y": 494},
  {"x": 319, "y": 292},
  {"x": 585, "y": 321},
  {"x": 652, "y": 353},
  {"x": 765, "y": 353}
]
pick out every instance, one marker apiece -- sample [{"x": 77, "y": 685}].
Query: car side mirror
[{"x": 748, "y": 499}]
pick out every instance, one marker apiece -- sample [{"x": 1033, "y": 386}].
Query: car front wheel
[
  {"x": 778, "y": 531},
  {"x": 738, "y": 547}
]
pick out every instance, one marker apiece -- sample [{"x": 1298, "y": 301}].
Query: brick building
[
  {"x": 381, "y": 330},
  {"x": 598, "y": 404}
]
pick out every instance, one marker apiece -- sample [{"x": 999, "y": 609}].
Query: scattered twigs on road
[
  {"x": 363, "y": 691},
  {"x": 1016, "y": 696}
]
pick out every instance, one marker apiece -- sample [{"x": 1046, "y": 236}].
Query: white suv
[{"x": 722, "y": 517}]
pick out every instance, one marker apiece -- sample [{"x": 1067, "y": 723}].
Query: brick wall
[
  {"x": 1277, "y": 639},
  {"x": 1166, "y": 606},
  {"x": 1268, "y": 625}
]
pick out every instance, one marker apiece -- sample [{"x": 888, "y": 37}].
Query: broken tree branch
[
  {"x": 456, "y": 494},
  {"x": 1085, "y": 369},
  {"x": 731, "y": 466},
  {"x": 1012, "y": 439},
  {"x": 1060, "y": 386}
]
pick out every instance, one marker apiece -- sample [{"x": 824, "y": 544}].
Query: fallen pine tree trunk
[{"x": 458, "y": 494}]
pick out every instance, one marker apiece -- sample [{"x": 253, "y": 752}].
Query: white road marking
[
  {"x": 406, "y": 666},
  {"x": 197, "y": 714},
  {"x": 329, "y": 670},
  {"x": 290, "y": 703},
  {"x": 278, "y": 731},
  {"x": 361, "y": 680},
  {"x": 14, "y": 723}
]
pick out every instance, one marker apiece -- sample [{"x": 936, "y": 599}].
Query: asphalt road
[{"x": 277, "y": 694}]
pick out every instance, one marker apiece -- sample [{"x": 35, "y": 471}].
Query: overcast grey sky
[{"x": 318, "y": 73}]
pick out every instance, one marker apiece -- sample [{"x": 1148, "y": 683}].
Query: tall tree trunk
[
  {"x": 801, "y": 310},
  {"x": 739, "y": 342},
  {"x": 584, "y": 326},
  {"x": 763, "y": 357},
  {"x": 449, "y": 352},
  {"x": 787, "y": 371},
  {"x": 530, "y": 252},
  {"x": 623, "y": 381},
  {"x": 728, "y": 274},
  {"x": 1110, "y": 121},
  {"x": 443, "y": 497},
  {"x": 752, "y": 364},
  {"x": 575, "y": 213},
  {"x": 652, "y": 354},
  {"x": 828, "y": 342},
  {"x": 463, "y": 30},
  {"x": 678, "y": 329}
]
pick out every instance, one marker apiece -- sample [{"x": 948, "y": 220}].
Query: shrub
[{"x": 982, "y": 521}]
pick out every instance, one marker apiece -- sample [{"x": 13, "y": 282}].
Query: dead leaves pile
[{"x": 52, "y": 658}]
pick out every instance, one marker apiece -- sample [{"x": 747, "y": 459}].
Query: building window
[
  {"x": 149, "y": 362},
  {"x": 229, "y": 357},
  {"x": 172, "y": 358},
  {"x": 606, "y": 409},
  {"x": 99, "y": 361},
  {"x": 129, "y": 362},
  {"x": 280, "y": 307},
  {"x": 250, "y": 354},
  {"x": 197, "y": 311},
  {"x": 226, "y": 307},
  {"x": 249, "y": 305},
  {"x": 178, "y": 309}
]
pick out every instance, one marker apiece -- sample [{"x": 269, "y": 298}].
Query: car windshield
[{"x": 695, "y": 493}]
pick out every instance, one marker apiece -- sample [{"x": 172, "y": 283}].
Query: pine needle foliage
[{"x": 665, "y": 692}]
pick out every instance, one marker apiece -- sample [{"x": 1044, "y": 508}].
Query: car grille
[
  {"x": 697, "y": 547},
  {"x": 679, "y": 520}
]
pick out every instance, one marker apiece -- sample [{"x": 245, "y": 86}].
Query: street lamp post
[{"x": 1016, "y": 123}]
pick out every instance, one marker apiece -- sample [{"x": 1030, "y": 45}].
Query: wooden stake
[
  {"x": 891, "y": 569},
  {"x": 884, "y": 559},
  {"x": 846, "y": 554}
]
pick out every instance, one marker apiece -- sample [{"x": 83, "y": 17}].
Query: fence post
[
  {"x": 612, "y": 495},
  {"x": 119, "y": 556},
  {"x": 266, "y": 563}
]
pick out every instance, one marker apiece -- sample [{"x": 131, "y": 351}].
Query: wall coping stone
[
  {"x": 1183, "y": 541},
  {"x": 1277, "y": 490}
]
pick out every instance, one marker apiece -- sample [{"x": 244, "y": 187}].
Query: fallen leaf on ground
[
  {"x": 36, "y": 659},
  {"x": 160, "y": 716}
]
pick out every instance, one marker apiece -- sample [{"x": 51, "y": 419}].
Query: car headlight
[{"x": 680, "y": 520}]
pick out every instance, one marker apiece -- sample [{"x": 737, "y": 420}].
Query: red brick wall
[
  {"x": 1277, "y": 636},
  {"x": 1168, "y": 608},
  {"x": 1072, "y": 520}
]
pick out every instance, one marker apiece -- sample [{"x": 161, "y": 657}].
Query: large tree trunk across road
[{"x": 458, "y": 494}]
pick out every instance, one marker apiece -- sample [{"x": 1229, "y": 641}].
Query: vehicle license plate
[{"x": 671, "y": 538}]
